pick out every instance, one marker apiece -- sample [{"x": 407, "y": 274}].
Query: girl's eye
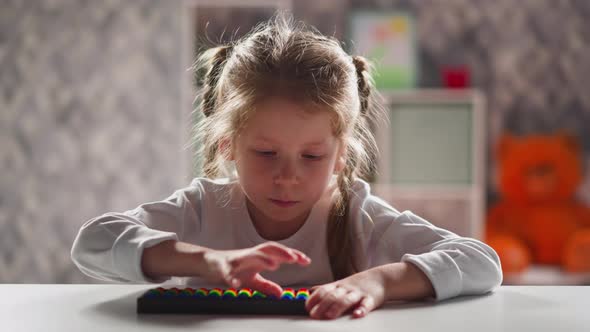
[
  {"x": 312, "y": 157},
  {"x": 266, "y": 153},
  {"x": 269, "y": 154}
]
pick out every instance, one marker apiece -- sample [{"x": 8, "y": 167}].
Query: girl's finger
[
  {"x": 278, "y": 251},
  {"x": 302, "y": 258},
  {"x": 255, "y": 261},
  {"x": 233, "y": 281},
  {"x": 332, "y": 301},
  {"x": 317, "y": 296},
  {"x": 347, "y": 301},
  {"x": 284, "y": 253},
  {"x": 265, "y": 286},
  {"x": 366, "y": 305}
]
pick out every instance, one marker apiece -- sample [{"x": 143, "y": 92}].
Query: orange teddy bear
[{"x": 538, "y": 219}]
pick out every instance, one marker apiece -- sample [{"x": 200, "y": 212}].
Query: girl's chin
[
  {"x": 283, "y": 217},
  {"x": 279, "y": 213},
  {"x": 285, "y": 214}
]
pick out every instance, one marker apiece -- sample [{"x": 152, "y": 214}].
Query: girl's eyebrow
[{"x": 269, "y": 140}]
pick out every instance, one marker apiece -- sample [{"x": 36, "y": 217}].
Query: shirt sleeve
[
  {"x": 454, "y": 265},
  {"x": 109, "y": 247}
]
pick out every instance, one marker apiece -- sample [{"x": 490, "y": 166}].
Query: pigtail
[
  {"x": 338, "y": 236},
  {"x": 371, "y": 113},
  {"x": 364, "y": 83},
  {"x": 213, "y": 61},
  {"x": 361, "y": 160}
]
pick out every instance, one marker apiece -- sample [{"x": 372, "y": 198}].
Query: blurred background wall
[{"x": 93, "y": 118}]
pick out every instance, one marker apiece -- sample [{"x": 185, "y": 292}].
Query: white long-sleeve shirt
[{"x": 213, "y": 214}]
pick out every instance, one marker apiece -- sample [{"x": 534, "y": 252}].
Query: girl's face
[{"x": 285, "y": 158}]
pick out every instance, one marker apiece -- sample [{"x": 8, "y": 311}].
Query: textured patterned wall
[
  {"x": 91, "y": 118},
  {"x": 90, "y": 122}
]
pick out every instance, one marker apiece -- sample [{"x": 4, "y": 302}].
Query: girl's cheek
[
  {"x": 318, "y": 169},
  {"x": 263, "y": 167}
]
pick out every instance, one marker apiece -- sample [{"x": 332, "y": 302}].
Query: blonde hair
[{"x": 281, "y": 58}]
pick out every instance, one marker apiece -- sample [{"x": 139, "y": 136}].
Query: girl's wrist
[
  {"x": 173, "y": 259},
  {"x": 190, "y": 259},
  {"x": 405, "y": 281}
]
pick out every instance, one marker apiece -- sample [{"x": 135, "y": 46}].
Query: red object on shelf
[{"x": 456, "y": 77}]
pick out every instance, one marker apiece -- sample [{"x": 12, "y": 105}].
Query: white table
[{"x": 90, "y": 308}]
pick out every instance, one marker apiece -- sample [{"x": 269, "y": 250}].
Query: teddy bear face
[{"x": 537, "y": 169}]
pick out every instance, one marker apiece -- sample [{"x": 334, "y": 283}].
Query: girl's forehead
[
  {"x": 260, "y": 137},
  {"x": 280, "y": 120}
]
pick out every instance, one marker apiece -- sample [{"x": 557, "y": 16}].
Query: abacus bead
[
  {"x": 303, "y": 291},
  {"x": 230, "y": 293},
  {"x": 201, "y": 292},
  {"x": 288, "y": 293},
  {"x": 215, "y": 292},
  {"x": 302, "y": 296},
  {"x": 258, "y": 295},
  {"x": 153, "y": 293},
  {"x": 245, "y": 293}
]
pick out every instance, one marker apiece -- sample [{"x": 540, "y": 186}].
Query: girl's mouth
[{"x": 283, "y": 203}]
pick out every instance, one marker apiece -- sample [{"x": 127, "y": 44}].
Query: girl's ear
[{"x": 226, "y": 149}]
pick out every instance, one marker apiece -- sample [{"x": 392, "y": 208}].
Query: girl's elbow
[
  {"x": 494, "y": 269},
  {"x": 495, "y": 277},
  {"x": 78, "y": 254},
  {"x": 497, "y": 265}
]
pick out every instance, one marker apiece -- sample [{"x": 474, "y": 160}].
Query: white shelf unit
[{"x": 432, "y": 156}]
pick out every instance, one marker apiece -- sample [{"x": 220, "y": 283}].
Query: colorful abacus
[{"x": 221, "y": 301}]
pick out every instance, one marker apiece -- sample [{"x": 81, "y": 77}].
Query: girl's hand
[
  {"x": 359, "y": 293},
  {"x": 241, "y": 268}
]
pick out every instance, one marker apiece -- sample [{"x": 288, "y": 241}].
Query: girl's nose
[{"x": 287, "y": 174}]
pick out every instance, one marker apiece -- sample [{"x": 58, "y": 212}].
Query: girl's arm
[
  {"x": 110, "y": 246},
  {"x": 236, "y": 268},
  {"x": 403, "y": 257},
  {"x": 367, "y": 290},
  {"x": 404, "y": 281},
  {"x": 173, "y": 258},
  {"x": 145, "y": 245},
  {"x": 406, "y": 258},
  {"x": 454, "y": 265}
]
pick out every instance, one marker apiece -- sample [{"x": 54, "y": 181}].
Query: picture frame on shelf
[{"x": 388, "y": 40}]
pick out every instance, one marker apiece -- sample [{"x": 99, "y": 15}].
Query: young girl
[{"x": 288, "y": 110}]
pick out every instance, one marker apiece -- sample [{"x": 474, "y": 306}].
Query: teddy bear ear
[
  {"x": 504, "y": 144},
  {"x": 569, "y": 140}
]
